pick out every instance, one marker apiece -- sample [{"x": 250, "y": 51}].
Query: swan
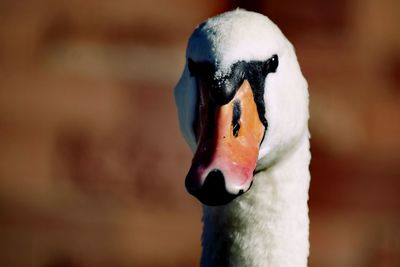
[{"x": 242, "y": 104}]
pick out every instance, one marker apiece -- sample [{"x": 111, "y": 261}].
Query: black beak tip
[{"x": 213, "y": 191}]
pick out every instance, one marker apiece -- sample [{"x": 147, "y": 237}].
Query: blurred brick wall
[{"x": 91, "y": 159}]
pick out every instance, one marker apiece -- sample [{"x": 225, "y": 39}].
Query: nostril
[{"x": 236, "y": 118}]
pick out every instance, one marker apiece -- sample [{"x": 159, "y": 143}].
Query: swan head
[{"x": 242, "y": 103}]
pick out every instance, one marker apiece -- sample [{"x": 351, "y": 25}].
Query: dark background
[{"x": 92, "y": 163}]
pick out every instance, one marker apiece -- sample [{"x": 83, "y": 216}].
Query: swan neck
[{"x": 267, "y": 226}]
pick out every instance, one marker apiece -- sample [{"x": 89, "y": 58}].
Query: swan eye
[
  {"x": 235, "y": 118},
  {"x": 273, "y": 63}
]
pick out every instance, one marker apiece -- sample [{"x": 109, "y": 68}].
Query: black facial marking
[
  {"x": 235, "y": 118},
  {"x": 196, "y": 121},
  {"x": 223, "y": 89}
]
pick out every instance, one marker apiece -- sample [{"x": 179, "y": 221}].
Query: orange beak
[{"x": 229, "y": 140}]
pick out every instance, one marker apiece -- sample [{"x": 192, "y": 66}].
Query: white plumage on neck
[{"x": 267, "y": 226}]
